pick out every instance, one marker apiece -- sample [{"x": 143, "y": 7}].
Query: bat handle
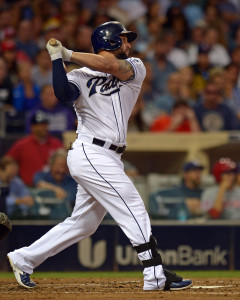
[{"x": 53, "y": 42}]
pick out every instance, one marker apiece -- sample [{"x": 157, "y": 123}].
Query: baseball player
[{"x": 104, "y": 92}]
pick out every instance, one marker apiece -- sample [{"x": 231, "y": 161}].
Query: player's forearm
[
  {"x": 63, "y": 90},
  {"x": 95, "y": 62}
]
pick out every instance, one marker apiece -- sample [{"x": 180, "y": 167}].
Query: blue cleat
[
  {"x": 23, "y": 278},
  {"x": 181, "y": 285}
]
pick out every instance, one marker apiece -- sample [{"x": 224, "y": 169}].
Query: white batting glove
[
  {"x": 66, "y": 54},
  {"x": 55, "y": 51}
]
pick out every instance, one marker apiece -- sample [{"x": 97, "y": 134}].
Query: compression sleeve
[{"x": 63, "y": 89}]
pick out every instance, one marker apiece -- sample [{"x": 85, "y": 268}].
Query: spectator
[
  {"x": 33, "y": 151},
  {"x": 5, "y": 19},
  {"x": 176, "y": 21},
  {"x": 148, "y": 97},
  {"x": 192, "y": 11},
  {"x": 136, "y": 122},
  {"x": 42, "y": 70},
  {"x": 5, "y": 87},
  {"x": 83, "y": 39},
  {"x": 235, "y": 55},
  {"x": 25, "y": 41},
  {"x": 51, "y": 28},
  {"x": 58, "y": 178},
  {"x": 212, "y": 114},
  {"x": 69, "y": 30},
  {"x": 177, "y": 56},
  {"x": 187, "y": 90},
  {"x": 213, "y": 17},
  {"x": 217, "y": 53},
  {"x": 185, "y": 198},
  {"x": 60, "y": 118},
  {"x": 165, "y": 101},
  {"x": 201, "y": 69},
  {"x": 162, "y": 68},
  {"x": 231, "y": 90},
  {"x": 182, "y": 119},
  {"x": 197, "y": 35},
  {"x": 223, "y": 200},
  {"x": 12, "y": 56},
  {"x": 26, "y": 93},
  {"x": 18, "y": 200}
]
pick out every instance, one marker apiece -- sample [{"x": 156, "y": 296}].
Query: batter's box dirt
[{"x": 121, "y": 289}]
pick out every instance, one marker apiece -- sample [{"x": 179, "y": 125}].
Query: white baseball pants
[{"x": 102, "y": 186}]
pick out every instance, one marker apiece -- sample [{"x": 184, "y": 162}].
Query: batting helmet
[
  {"x": 224, "y": 165},
  {"x": 107, "y": 36}
]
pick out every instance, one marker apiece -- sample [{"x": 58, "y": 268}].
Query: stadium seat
[
  {"x": 156, "y": 181},
  {"x": 47, "y": 206},
  {"x": 167, "y": 205}
]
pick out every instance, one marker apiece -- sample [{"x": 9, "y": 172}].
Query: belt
[{"x": 101, "y": 143}]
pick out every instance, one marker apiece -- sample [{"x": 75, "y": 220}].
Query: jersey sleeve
[
  {"x": 74, "y": 77},
  {"x": 139, "y": 71}
]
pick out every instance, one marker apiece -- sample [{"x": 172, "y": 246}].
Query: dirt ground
[{"x": 116, "y": 289}]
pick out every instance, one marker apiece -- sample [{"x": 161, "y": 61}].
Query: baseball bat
[{"x": 53, "y": 42}]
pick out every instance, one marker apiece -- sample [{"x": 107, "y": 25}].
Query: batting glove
[
  {"x": 66, "y": 54},
  {"x": 55, "y": 51}
]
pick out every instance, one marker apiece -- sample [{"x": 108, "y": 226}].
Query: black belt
[{"x": 118, "y": 149}]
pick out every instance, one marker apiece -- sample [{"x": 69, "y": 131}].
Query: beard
[{"x": 121, "y": 55}]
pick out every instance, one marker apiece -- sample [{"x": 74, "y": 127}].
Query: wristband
[{"x": 56, "y": 56}]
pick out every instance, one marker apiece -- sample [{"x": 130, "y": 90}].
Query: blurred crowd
[
  {"x": 191, "y": 50},
  {"x": 193, "y": 199}
]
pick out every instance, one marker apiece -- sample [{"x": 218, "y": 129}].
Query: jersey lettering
[{"x": 107, "y": 87}]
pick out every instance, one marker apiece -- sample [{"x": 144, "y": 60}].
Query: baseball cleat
[
  {"x": 181, "y": 285},
  {"x": 22, "y": 278}
]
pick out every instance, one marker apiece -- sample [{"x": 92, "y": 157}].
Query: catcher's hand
[{"x": 5, "y": 226}]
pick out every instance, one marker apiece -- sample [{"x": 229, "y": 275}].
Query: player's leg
[
  {"x": 115, "y": 191},
  {"x": 85, "y": 219}
]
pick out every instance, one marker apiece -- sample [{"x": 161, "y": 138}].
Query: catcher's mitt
[{"x": 5, "y": 226}]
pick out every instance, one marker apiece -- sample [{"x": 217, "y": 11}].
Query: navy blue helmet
[{"x": 107, "y": 36}]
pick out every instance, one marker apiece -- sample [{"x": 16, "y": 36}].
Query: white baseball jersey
[{"x": 105, "y": 103}]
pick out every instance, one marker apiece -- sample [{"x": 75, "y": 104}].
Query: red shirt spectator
[
  {"x": 32, "y": 152},
  {"x": 182, "y": 119},
  {"x": 162, "y": 123}
]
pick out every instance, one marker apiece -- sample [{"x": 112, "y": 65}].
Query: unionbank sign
[
  {"x": 182, "y": 247},
  {"x": 93, "y": 256},
  {"x": 195, "y": 247}
]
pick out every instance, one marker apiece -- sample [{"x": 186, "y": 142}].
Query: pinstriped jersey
[{"x": 105, "y": 103}]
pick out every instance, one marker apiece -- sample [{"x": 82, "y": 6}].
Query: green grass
[{"x": 186, "y": 274}]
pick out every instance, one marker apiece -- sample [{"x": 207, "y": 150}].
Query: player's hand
[
  {"x": 66, "y": 54},
  {"x": 55, "y": 52}
]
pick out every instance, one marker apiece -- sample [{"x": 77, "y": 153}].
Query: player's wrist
[
  {"x": 66, "y": 54},
  {"x": 56, "y": 56}
]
